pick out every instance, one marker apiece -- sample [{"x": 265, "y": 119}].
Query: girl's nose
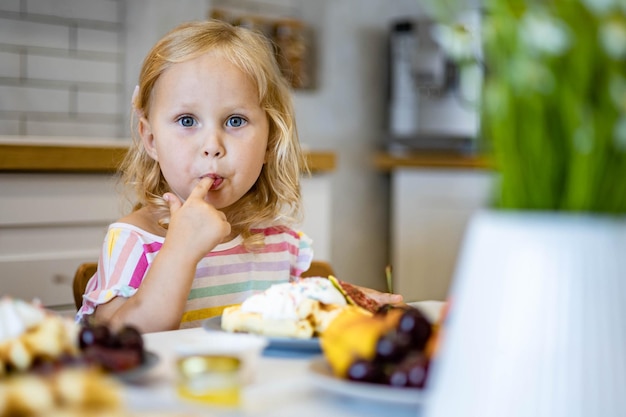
[{"x": 213, "y": 147}]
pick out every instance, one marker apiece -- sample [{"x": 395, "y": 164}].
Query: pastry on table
[
  {"x": 300, "y": 309},
  {"x": 43, "y": 370},
  {"x": 29, "y": 334}
]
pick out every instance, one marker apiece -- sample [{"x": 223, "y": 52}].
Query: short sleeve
[
  {"x": 305, "y": 255},
  {"x": 125, "y": 257}
]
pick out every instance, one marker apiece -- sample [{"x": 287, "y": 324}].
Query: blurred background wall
[{"x": 68, "y": 68}]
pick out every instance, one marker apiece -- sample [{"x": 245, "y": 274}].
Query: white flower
[
  {"x": 543, "y": 34},
  {"x": 599, "y": 7},
  {"x": 530, "y": 76},
  {"x": 470, "y": 83},
  {"x": 612, "y": 35},
  {"x": 619, "y": 134},
  {"x": 495, "y": 99},
  {"x": 457, "y": 41}
]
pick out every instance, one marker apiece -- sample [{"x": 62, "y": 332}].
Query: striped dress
[{"x": 227, "y": 275}]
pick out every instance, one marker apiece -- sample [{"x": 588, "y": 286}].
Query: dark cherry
[
  {"x": 392, "y": 346},
  {"x": 113, "y": 359},
  {"x": 410, "y": 372},
  {"x": 365, "y": 371},
  {"x": 102, "y": 335},
  {"x": 417, "y": 375},
  {"x": 86, "y": 337},
  {"x": 130, "y": 338},
  {"x": 416, "y": 367},
  {"x": 398, "y": 377},
  {"x": 413, "y": 323},
  {"x": 98, "y": 334}
]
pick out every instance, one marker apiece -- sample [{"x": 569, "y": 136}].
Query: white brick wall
[
  {"x": 24, "y": 99},
  {"x": 98, "y": 40},
  {"x": 10, "y": 5},
  {"x": 70, "y": 69},
  {"x": 9, "y": 64},
  {"x": 14, "y": 31},
  {"x": 62, "y": 68},
  {"x": 101, "y": 10}
]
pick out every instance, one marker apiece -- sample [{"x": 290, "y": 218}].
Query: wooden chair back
[
  {"x": 87, "y": 270},
  {"x": 318, "y": 269},
  {"x": 81, "y": 277}
]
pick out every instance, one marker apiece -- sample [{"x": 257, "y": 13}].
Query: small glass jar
[{"x": 210, "y": 379}]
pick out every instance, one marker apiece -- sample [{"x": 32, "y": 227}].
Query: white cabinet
[
  {"x": 316, "y": 198},
  {"x": 430, "y": 209},
  {"x": 49, "y": 224}
]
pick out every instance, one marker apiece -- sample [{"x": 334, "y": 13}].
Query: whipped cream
[
  {"x": 17, "y": 317},
  {"x": 292, "y": 300}
]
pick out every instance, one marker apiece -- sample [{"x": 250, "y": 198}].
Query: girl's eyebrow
[
  {"x": 244, "y": 108},
  {"x": 186, "y": 104}
]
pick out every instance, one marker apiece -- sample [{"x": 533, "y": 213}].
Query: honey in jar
[{"x": 210, "y": 379}]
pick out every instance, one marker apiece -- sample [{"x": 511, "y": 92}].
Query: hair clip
[{"x": 134, "y": 104}]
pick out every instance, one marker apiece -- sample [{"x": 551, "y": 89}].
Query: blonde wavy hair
[{"x": 275, "y": 197}]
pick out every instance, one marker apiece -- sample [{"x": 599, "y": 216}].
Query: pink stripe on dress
[
  {"x": 127, "y": 250},
  {"x": 142, "y": 265},
  {"x": 272, "y": 247},
  {"x": 152, "y": 247},
  {"x": 139, "y": 272},
  {"x": 277, "y": 230}
]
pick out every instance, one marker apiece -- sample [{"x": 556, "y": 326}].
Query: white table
[{"x": 283, "y": 386}]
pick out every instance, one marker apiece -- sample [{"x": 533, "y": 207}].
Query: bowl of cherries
[{"x": 119, "y": 352}]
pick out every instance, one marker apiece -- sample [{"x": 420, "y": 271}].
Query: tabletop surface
[{"x": 283, "y": 385}]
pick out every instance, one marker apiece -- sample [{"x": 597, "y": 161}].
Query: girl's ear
[{"x": 147, "y": 138}]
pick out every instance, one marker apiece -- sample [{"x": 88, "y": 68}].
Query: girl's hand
[
  {"x": 195, "y": 225},
  {"x": 381, "y": 297},
  {"x": 195, "y": 228}
]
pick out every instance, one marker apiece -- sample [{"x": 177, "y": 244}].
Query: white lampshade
[{"x": 537, "y": 321}]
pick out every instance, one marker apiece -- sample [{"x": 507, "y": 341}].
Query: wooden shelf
[
  {"x": 321, "y": 161},
  {"x": 62, "y": 158},
  {"x": 98, "y": 158},
  {"x": 388, "y": 162}
]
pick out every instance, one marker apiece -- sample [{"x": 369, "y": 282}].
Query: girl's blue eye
[
  {"x": 236, "y": 121},
  {"x": 186, "y": 121}
]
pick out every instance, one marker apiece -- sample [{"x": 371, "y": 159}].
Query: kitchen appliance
[{"x": 426, "y": 106}]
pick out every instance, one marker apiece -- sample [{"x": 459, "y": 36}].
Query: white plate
[
  {"x": 325, "y": 379},
  {"x": 287, "y": 343}
]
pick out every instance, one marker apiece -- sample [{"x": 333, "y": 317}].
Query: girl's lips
[{"x": 216, "y": 183}]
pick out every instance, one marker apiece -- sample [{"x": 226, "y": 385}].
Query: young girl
[{"x": 215, "y": 164}]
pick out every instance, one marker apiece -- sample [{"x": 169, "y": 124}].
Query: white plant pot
[{"x": 537, "y": 321}]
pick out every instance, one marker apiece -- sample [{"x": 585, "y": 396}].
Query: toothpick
[{"x": 389, "y": 280}]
